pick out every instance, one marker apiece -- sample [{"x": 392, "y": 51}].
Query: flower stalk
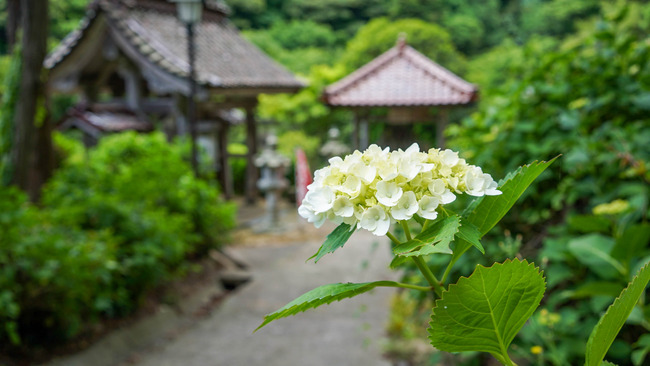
[{"x": 428, "y": 275}]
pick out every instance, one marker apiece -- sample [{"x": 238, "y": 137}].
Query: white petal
[
  {"x": 427, "y": 207},
  {"x": 414, "y": 148},
  {"x": 321, "y": 199},
  {"x": 388, "y": 193},
  {"x": 343, "y": 207},
  {"x": 406, "y": 207},
  {"x": 447, "y": 197}
]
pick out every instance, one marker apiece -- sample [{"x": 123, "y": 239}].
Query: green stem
[
  {"x": 453, "y": 261},
  {"x": 426, "y": 224},
  {"x": 430, "y": 277},
  {"x": 448, "y": 270},
  {"x": 407, "y": 231},
  {"x": 509, "y": 362},
  {"x": 392, "y": 238},
  {"x": 412, "y": 287}
]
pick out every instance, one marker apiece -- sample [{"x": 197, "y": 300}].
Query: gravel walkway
[{"x": 350, "y": 332}]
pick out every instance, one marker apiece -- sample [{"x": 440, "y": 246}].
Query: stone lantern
[
  {"x": 333, "y": 146},
  {"x": 272, "y": 180}
]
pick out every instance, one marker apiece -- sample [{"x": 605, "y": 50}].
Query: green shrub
[
  {"x": 146, "y": 178},
  {"x": 588, "y": 99},
  {"x": 116, "y": 221},
  {"x": 53, "y": 279}
]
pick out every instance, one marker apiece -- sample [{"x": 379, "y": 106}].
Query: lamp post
[{"x": 189, "y": 13}]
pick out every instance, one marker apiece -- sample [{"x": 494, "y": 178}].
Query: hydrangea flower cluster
[{"x": 373, "y": 189}]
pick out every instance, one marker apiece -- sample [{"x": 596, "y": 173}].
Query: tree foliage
[
  {"x": 381, "y": 34},
  {"x": 599, "y": 123}
]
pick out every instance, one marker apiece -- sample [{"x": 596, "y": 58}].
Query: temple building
[
  {"x": 128, "y": 61},
  {"x": 410, "y": 86}
]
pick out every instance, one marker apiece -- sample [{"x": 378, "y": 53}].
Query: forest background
[{"x": 567, "y": 77}]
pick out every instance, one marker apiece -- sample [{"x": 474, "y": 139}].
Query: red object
[{"x": 303, "y": 176}]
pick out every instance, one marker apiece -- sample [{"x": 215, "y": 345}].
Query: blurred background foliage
[
  {"x": 115, "y": 222},
  {"x": 568, "y": 77}
]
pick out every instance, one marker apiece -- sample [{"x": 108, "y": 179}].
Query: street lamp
[{"x": 189, "y": 13}]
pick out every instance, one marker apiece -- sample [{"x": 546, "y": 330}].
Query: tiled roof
[
  {"x": 223, "y": 58},
  {"x": 99, "y": 120},
  {"x": 400, "y": 76}
]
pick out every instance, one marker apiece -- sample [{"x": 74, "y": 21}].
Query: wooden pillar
[
  {"x": 90, "y": 93},
  {"x": 355, "y": 132},
  {"x": 363, "y": 133},
  {"x": 179, "y": 115},
  {"x": 251, "y": 169},
  {"x": 133, "y": 86},
  {"x": 221, "y": 156},
  {"x": 443, "y": 121}
]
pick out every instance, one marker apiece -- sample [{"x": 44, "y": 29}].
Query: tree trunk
[
  {"x": 32, "y": 139},
  {"x": 13, "y": 21}
]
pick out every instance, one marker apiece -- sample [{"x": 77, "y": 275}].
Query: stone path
[{"x": 350, "y": 332}]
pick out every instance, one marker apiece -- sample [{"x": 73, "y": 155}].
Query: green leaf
[
  {"x": 642, "y": 347},
  {"x": 324, "y": 295},
  {"x": 434, "y": 239},
  {"x": 335, "y": 240},
  {"x": 484, "y": 312},
  {"x": 593, "y": 251},
  {"x": 589, "y": 223},
  {"x": 610, "y": 324},
  {"x": 632, "y": 242},
  {"x": 397, "y": 262},
  {"x": 597, "y": 288},
  {"x": 470, "y": 234},
  {"x": 489, "y": 210},
  {"x": 642, "y": 101}
]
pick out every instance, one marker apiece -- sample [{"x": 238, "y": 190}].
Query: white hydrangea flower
[
  {"x": 492, "y": 188},
  {"x": 387, "y": 169},
  {"x": 406, "y": 207},
  {"x": 449, "y": 158},
  {"x": 374, "y": 188},
  {"x": 321, "y": 199},
  {"x": 427, "y": 207},
  {"x": 364, "y": 172},
  {"x": 343, "y": 207},
  {"x": 478, "y": 183},
  {"x": 388, "y": 193},
  {"x": 375, "y": 220},
  {"x": 349, "y": 184},
  {"x": 318, "y": 219},
  {"x": 438, "y": 189}
]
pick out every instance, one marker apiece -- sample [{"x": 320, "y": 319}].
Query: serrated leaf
[
  {"x": 484, "y": 312},
  {"x": 470, "y": 234},
  {"x": 610, "y": 324},
  {"x": 489, "y": 210},
  {"x": 335, "y": 240},
  {"x": 397, "y": 262},
  {"x": 434, "y": 239},
  {"x": 324, "y": 295}
]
